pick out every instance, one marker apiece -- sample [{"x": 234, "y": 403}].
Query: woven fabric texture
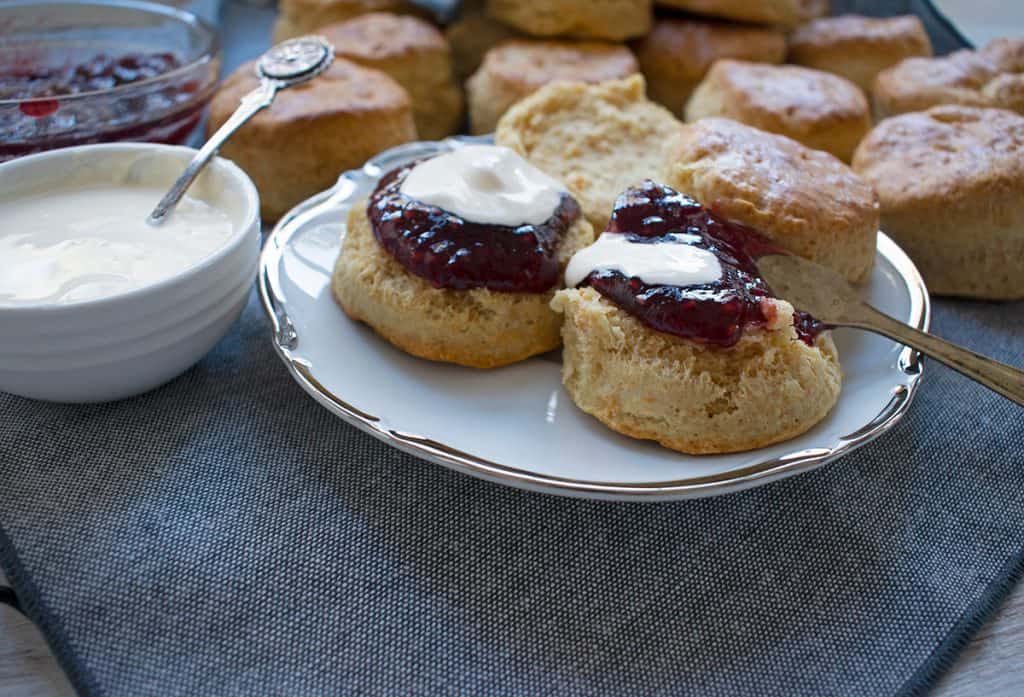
[{"x": 225, "y": 535}]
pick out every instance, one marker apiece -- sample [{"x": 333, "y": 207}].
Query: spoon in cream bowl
[
  {"x": 832, "y": 300},
  {"x": 287, "y": 64}
]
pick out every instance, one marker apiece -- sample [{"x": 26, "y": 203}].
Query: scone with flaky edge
[
  {"x": 805, "y": 200},
  {"x": 696, "y": 354},
  {"x": 951, "y": 184},
  {"x": 315, "y": 130},
  {"x": 612, "y": 20},
  {"x": 856, "y": 47},
  {"x": 992, "y": 76},
  {"x": 678, "y": 52},
  {"x": 414, "y": 53},
  {"x": 456, "y": 258},
  {"x": 821, "y": 110},
  {"x": 514, "y": 69},
  {"x": 472, "y": 35},
  {"x": 298, "y": 17},
  {"x": 597, "y": 139},
  {"x": 782, "y": 12}
]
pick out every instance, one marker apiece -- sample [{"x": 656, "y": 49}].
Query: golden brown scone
[
  {"x": 783, "y": 12},
  {"x": 812, "y": 9},
  {"x": 678, "y": 52},
  {"x": 856, "y": 47},
  {"x": 806, "y": 200},
  {"x": 597, "y": 139},
  {"x": 314, "y": 132},
  {"x": 688, "y": 396},
  {"x": 415, "y": 54},
  {"x": 821, "y": 110},
  {"x": 471, "y": 36},
  {"x": 298, "y": 17},
  {"x": 613, "y": 20},
  {"x": 478, "y": 328},
  {"x": 951, "y": 184},
  {"x": 516, "y": 68},
  {"x": 990, "y": 77}
]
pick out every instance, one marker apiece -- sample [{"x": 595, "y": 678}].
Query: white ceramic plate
[{"x": 516, "y": 425}]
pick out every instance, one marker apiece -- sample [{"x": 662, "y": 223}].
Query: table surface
[{"x": 989, "y": 666}]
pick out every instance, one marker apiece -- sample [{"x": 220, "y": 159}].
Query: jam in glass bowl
[{"x": 73, "y": 73}]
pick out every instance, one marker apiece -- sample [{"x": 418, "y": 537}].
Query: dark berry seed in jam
[
  {"x": 450, "y": 252},
  {"x": 714, "y": 313},
  {"x": 101, "y": 72}
]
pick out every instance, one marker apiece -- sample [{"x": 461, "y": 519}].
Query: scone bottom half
[
  {"x": 442, "y": 287},
  {"x": 714, "y": 367}
]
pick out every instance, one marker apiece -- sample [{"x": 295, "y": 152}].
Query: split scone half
[
  {"x": 459, "y": 273},
  {"x": 670, "y": 334}
]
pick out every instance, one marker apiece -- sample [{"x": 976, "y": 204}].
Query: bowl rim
[
  {"x": 251, "y": 223},
  {"x": 190, "y": 19}
]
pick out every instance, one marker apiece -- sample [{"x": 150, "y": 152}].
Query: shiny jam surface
[
  {"x": 714, "y": 313},
  {"x": 451, "y": 252},
  {"x": 101, "y": 72}
]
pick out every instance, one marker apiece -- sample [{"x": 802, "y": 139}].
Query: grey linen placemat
[{"x": 226, "y": 535}]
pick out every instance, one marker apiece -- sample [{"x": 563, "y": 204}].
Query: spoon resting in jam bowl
[
  {"x": 830, "y": 299},
  {"x": 287, "y": 64}
]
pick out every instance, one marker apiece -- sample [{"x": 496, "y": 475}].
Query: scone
[
  {"x": 811, "y": 9},
  {"x": 782, "y": 12},
  {"x": 598, "y": 139},
  {"x": 696, "y": 354},
  {"x": 298, "y": 17},
  {"x": 314, "y": 132},
  {"x": 821, "y": 110},
  {"x": 613, "y": 20},
  {"x": 471, "y": 36},
  {"x": 439, "y": 286},
  {"x": 414, "y": 53},
  {"x": 990, "y": 77},
  {"x": 805, "y": 200},
  {"x": 856, "y": 47},
  {"x": 951, "y": 184},
  {"x": 678, "y": 52},
  {"x": 515, "y": 69}
]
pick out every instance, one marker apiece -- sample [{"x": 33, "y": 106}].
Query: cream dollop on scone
[
  {"x": 805, "y": 200},
  {"x": 514, "y": 69},
  {"x": 821, "y": 110},
  {"x": 951, "y": 184},
  {"x": 598, "y": 139},
  {"x": 856, "y": 47},
  {"x": 678, "y": 52},
  {"x": 413, "y": 52},
  {"x": 990, "y": 77},
  {"x": 671, "y": 334},
  {"x": 456, "y": 258},
  {"x": 614, "y": 20}
]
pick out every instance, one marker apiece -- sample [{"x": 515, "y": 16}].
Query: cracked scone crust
[
  {"x": 821, "y": 110},
  {"x": 478, "y": 328},
  {"x": 951, "y": 184},
  {"x": 614, "y": 20},
  {"x": 597, "y": 139},
  {"x": 806, "y": 200},
  {"x": 990, "y": 77},
  {"x": 690, "y": 397}
]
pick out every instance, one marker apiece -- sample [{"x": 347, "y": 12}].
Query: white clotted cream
[
  {"x": 653, "y": 263},
  {"x": 485, "y": 184},
  {"x": 93, "y": 242}
]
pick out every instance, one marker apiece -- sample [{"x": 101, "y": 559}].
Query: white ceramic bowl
[{"x": 123, "y": 345}]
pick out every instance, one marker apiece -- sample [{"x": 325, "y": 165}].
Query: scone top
[
  {"x": 679, "y": 269},
  {"x": 479, "y": 216}
]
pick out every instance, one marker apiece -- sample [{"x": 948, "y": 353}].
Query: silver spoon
[
  {"x": 830, "y": 299},
  {"x": 289, "y": 63}
]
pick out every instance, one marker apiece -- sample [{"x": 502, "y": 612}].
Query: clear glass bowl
[{"x": 39, "y": 36}]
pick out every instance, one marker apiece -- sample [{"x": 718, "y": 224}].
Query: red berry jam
[
  {"x": 714, "y": 313},
  {"x": 451, "y": 252},
  {"x": 101, "y": 72}
]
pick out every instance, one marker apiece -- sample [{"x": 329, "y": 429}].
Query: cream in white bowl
[{"x": 94, "y": 303}]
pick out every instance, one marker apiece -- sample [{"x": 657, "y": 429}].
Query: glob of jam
[
  {"x": 101, "y": 72},
  {"x": 713, "y": 313},
  {"x": 451, "y": 252}
]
